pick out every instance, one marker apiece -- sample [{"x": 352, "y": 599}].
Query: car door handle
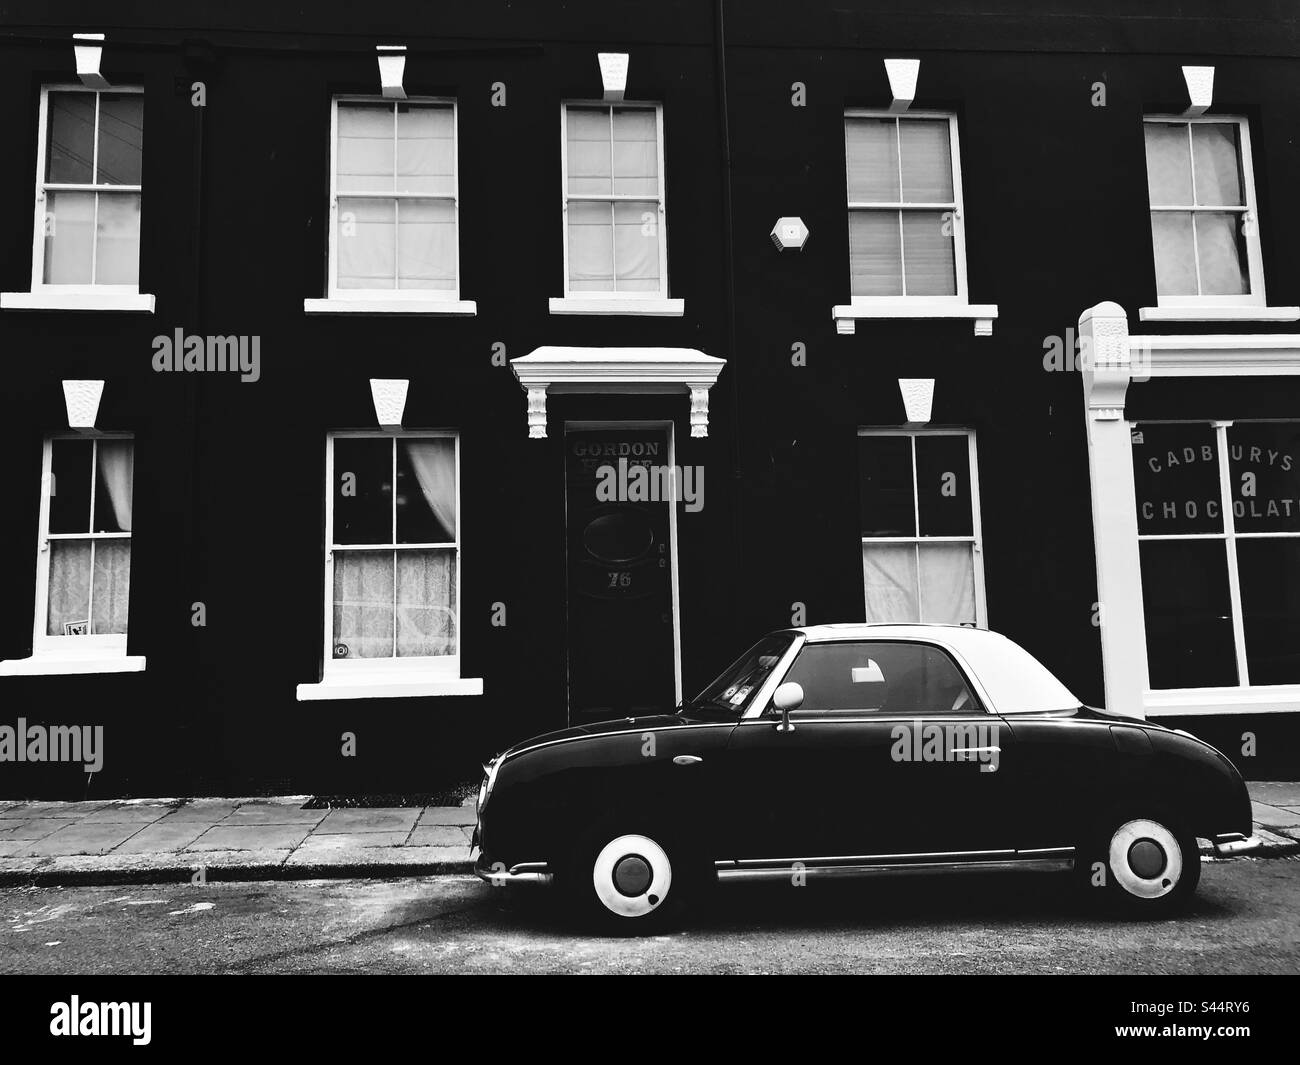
[{"x": 687, "y": 759}]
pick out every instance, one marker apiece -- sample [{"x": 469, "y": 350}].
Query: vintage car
[{"x": 857, "y": 750}]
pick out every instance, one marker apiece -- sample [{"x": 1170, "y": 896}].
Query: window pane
[
  {"x": 117, "y": 245},
  {"x": 1216, "y": 152},
  {"x": 927, "y": 161},
  {"x": 112, "y": 586},
  {"x": 365, "y": 148},
  {"x": 70, "y": 147},
  {"x": 591, "y": 247},
  {"x": 1265, "y": 476},
  {"x": 1171, "y": 235},
  {"x": 588, "y": 150},
  {"x": 1176, "y": 477},
  {"x": 1270, "y": 593},
  {"x": 636, "y": 152},
  {"x": 636, "y": 246},
  {"x": 363, "y": 604},
  {"x": 893, "y": 678},
  {"x": 367, "y": 243},
  {"x": 69, "y": 237},
  {"x": 929, "y": 254},
  {"x": 425, "y": 150},
  {"x": 363, "y": 491},
  {"x": 426, "y": 491},
  {"x": 426, "y": 603},
  {"x": 121, "y": 138},
  {"x": 885, "y": 486},
  {"x": 1188, "y": 614},
  {"x": 1169, "y": 165},
  {"x": 1221, "y": 247},
  {"x": 115, "y": 479},
  {"x": 943, "y": 485},
  {"x": 426, "y": 244},
  {"x": 69, "y": 610},
  {"x": 889, "y": 577},
  {"x": 875, "y": 253},
  {"x": 871, "y": 150},
  {"x": 947, "y": 584},
  {"x": 70, "y": 486}
]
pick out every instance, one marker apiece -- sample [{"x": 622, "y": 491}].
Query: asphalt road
[{"x": 1246, "y": 919}]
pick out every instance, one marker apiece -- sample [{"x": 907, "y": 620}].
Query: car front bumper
[{"x": 1230, "y": 843}]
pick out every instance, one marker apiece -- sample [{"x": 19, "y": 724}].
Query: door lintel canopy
[{"x": 616, "y": 371}]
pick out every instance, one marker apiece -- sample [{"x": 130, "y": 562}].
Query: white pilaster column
[{"x": 1107, "y": 370}]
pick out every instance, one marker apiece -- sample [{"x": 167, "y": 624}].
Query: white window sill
[
  {"x": 396, "y": 685},
  {"x": 1192, "y": 702},
  {"x": 846, "y": 315},
  {"x": 632, "y": 305},
  {"x": 1219, "y": 314},
  {"x": 53, "y": 300},
  {"x": 463, "y": 308},
  {"x": 54, "y": 665}
]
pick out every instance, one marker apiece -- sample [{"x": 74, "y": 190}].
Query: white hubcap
[
  {"x": 1145, "y": 858},
  {"x": 632, "y": 876}
]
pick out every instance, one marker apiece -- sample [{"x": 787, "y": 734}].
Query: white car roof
[{"x": 1013, "y": 680}]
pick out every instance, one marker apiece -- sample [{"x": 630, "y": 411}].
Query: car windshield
[{"x": 732, "y": 692}]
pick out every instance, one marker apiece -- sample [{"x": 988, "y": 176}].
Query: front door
[{"x": 620, "y": 600}]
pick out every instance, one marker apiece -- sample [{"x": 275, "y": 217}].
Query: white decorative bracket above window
[
  {"x": 89, "y": 50},
  {"x": 392, "y": 68},
  {"x": 903, "y": 74},
  {"x": 82, "y": 401},
  {"x": 847, "y": 314},
  {"x": 616, "y": 371},
  {"x": 613, "y": 74},
  {"x": 1200, "y": 90},
  {"x": 389, "y": 395},
  {"x": 918, "y": 398}
]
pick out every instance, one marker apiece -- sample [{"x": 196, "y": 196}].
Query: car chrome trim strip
[
  {"x": 520, "y": 873},
  {"x": 754, "y": 711},
  {"x": 865, "y": 869}
]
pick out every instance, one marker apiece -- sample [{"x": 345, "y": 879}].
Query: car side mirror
[{"x": 788, "y": 697}]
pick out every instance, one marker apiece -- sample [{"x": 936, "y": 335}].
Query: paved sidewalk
[{"x": 153, "y": 840}]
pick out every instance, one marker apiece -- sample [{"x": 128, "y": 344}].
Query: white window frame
[
  {"x": 632, "y": 302},
  {"x": 904, "y": 306},
  {"x": 358, "y": 678},
  {"x": 1229, "y": 536},
  {"x": 395, "y": 300},
  {"x": 45, "y": 296},
  {"x": 976, "y": 539},
  {"x": 92, "y": 653}
]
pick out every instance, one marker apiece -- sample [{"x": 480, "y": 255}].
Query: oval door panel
[{"x": 618, "y": 537}]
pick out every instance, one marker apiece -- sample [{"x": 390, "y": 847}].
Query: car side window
[{"x": 867, "y": 677}]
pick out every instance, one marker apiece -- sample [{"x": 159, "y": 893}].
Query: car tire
[
  {"x": 1147, "y": 866},
  {"x": 627, "y": 881}
]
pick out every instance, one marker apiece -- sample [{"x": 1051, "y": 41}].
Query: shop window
[
  {"x": 921, "y": 544},
  {"x": 1219, "y": 542}
]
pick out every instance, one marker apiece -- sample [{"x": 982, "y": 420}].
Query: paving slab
[
  {"x": 1274, "y": 816},
  {"x": 12, "y": 809},
  {"x": 210, "y": 810},
  {"x": 162, "y": 836},
  {"x": 228, "y": 837},
  {"x": 36, "y": 828},
  {"x": 125, "y": 814},
  {"x": 450, "y": 857},
  {"x": 1275, "y": 792},
  {"x": 74, "y": 810},
  {"x": 341, "y": 846},
  {"x": 81, "y": 839},
  {"x": 10, "y": 847},
  {"x": 355, "y": 820},
  {"x": 448, "y": 815},
  {"x": 441, "y": 836},
  {"x": 272, "y": 813}
]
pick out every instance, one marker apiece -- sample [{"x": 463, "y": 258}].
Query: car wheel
[
  {"x": 626, "y": 882},
  {"x": 1151, "y": 868}
]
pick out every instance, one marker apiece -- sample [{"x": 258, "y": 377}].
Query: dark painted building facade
[{"x": 617, "y": 246}]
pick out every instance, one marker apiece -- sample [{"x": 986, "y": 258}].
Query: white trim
[
  {"x": 394, "y": 304},
  {"x": 51, "y": 298},
  {"x": 585, "y": 302},
  {"x": 1196, "y": 702},
  {"x": 1215, "y": 355},
  {"x": 902, "y": 74},
  {"x": 59, "y": 665},
  {"x": 401, "y": 685},
  {"x": 1248, "y": 209},
  {"x": 385, "y": 300},
  {"x": 846, "y": 315},
  {"x": 613, "y": 304},
  {"x": 1219, "y": 314}
]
